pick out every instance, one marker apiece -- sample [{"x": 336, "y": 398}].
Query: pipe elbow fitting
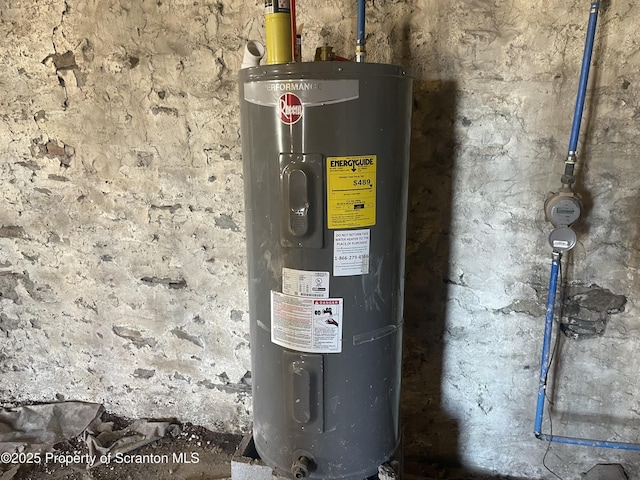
[{"x": 253, "y": 53}]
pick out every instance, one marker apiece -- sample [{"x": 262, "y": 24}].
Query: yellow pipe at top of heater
[{"x": 278, "y": 33}]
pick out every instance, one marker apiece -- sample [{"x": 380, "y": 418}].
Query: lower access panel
[{"x": 304, "y": 390}]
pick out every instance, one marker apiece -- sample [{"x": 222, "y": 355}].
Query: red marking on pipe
[{"x": 293, "y": 29}]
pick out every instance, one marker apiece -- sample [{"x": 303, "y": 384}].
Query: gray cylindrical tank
[{"x": 325, "y": 154}]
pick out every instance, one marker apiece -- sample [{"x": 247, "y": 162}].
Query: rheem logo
[{"x": 289, "y": 108}]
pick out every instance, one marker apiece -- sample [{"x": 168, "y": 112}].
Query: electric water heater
[{"x": 326, "y": 156}]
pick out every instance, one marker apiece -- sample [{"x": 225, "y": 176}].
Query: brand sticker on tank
[
  {"x": 289, "y": 108},
  {"x": 306, "y": 324},
  {"x": 351, "y": 191}
]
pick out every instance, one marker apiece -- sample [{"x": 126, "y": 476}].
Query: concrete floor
[{"x": 194, "y": 453}]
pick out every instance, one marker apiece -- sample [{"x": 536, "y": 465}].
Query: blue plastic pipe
[
  {"x": 545, "y": 364},
  {"x": 360, "y": 40},
  {"x": 584, "y": 80},
  {"x": 546, "y": 343},
  {"x": 585, "y": 442}
]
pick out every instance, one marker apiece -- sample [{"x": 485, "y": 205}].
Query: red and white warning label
[{"x": 306, "y": 324}]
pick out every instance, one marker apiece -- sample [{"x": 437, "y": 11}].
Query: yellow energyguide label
[{"x": 351, "y": 191}]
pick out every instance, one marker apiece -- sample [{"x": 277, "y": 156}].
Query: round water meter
[
  {"x": 562, "y": 239},
  {"x": 563, "y": 209}
]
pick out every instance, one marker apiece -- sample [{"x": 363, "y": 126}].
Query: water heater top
[{"x": 319, "y": 69}]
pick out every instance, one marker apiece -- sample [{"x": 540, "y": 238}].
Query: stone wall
[
  {"x": 122, "y": 253},
  {"x": 122, "y": 262}
]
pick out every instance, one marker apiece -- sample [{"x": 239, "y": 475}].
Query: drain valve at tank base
[{"x": 300, "y": 467}]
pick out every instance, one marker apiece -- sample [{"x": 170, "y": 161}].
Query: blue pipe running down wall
[
  {"x": 584, "y": 79},
  {"x": 360, "y": 40},
  {"x": 546, "y": 343},
  {"x": 361, "y": 23},
  {"x": 544, "y": 372}
]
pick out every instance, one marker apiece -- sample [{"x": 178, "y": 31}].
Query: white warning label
[
  {"x": 351, "y": 252},
  {"x": 303, "y": 283},
  {"x": 306, "y": 324}
]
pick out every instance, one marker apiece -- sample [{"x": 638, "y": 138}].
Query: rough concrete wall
[
  {"x": 495, "y": 97},
  {"x": 122, "y": 264},
  {"x": 122, "y": 255}
]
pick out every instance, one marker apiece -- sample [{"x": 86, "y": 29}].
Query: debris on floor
[
  {"x": 34, "y": 428},
  {"x": 80, "y": 441}
]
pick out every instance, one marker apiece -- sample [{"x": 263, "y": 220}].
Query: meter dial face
[{"x": 563, "y": 210}]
